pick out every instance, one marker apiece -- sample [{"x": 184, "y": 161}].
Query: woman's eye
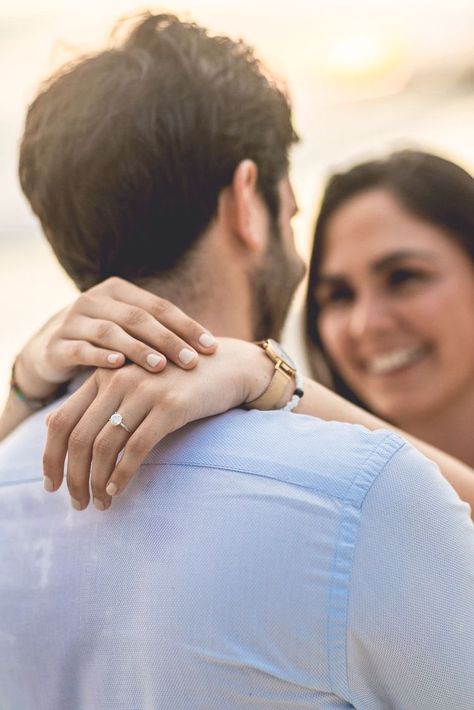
[
  {"x": 400, "y": 277},
  {"x": 335, "y": 296}
]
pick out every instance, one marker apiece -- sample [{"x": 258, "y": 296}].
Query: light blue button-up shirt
[{"x": 257, "y": 560}]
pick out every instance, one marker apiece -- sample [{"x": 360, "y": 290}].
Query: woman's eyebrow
[
  {"x": 381, "y": 264},
  {"x": 389, "y": 260},
  {"x": 328, "y": 280}
]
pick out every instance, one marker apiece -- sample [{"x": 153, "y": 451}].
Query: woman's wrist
[
  {"x": 263, "y": 388},
  {"x": 26, "y": 378},
  {"x": 258, "y": 372}
]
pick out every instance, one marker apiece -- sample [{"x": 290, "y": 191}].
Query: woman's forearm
[
  {"x": 16, "y": 410},
  {"x": 323, "y": 403},
  {"x": 14, "y": 413}
]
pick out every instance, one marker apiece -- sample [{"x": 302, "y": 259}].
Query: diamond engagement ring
[{"x": 117, "y": 420}]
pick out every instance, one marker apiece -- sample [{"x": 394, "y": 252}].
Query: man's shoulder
[{"x": 331, "y": 457}]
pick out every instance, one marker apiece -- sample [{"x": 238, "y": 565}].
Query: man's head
[{"x": 125, "y": 154}]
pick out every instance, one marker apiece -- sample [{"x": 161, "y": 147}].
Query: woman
[
  {"x": 237, "y": 373},
  {"x": 390, "y": 303}
]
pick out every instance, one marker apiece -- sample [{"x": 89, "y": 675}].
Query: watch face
[{"x": 280, "y": 352}]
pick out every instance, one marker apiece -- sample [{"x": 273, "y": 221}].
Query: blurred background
[{"x": 365, "y": 77}]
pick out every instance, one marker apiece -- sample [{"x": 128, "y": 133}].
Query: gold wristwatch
[{"x": 285, "y": 371}]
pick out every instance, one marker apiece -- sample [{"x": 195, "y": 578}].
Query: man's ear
[{"x": 246, "y": 208}]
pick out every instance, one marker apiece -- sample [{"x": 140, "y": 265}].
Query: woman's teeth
[{"x": 384, "y": 364}]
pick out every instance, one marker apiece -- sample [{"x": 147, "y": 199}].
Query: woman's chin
[
  {"x": 402, "y": 395},
  {"x": 401, "y": 408}
]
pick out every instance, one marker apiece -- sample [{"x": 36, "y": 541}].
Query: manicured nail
[
  {"x": 98, "y": 504},
  {"x": 48, "y": 484},
  {"x": 207, "y": 340},
  {"x": 153, "y": 359},
  {"x": 75, "y": 504},
  {"x": 111, "y": 488},
  {"x": 113, "y": 358},
  {"x": 186, "y": 356}
]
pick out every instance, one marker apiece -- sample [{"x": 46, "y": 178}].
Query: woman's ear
[{"x": 248, "y": 212}]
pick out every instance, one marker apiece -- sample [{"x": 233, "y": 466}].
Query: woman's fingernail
[
  {"x": 48, "y": 484},
  {"x": 153, "y": 359},
  {"x": 75, "y": 504},
  {"x": 186, "y": 356},
  {"x": 98, "y": 504},
  {"x": 113, "y": 358},
  {"x": 111, "y": 488},
  {"x": 207, "y": 340}
]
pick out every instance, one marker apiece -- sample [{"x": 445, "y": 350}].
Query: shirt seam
[
  {"x": 341, "y": 573},
  {"x": 235, "y": 469}
]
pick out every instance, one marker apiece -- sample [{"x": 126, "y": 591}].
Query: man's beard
[{"x": 273, "y": 286}]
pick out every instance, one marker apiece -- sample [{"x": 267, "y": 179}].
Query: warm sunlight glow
[{"x": 362, "y": 57}]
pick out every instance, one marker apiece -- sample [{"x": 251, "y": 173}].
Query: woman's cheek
[{"x": 331, "y": 329}]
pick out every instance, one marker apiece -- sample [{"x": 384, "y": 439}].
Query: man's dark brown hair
[{"x": 124, "y": 154}]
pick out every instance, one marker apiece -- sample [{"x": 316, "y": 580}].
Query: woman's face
[{"x": 396, "y": 298}]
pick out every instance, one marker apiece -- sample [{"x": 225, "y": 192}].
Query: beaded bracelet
[
  {"x": 297, "y": 394},
  {"x": 35, "y": 404}
]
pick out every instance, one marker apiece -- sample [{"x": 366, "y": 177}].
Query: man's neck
[{"x": 221, "y": 304}]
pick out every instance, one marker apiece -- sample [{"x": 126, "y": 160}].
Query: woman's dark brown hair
[{"x": 429, "y": 187}]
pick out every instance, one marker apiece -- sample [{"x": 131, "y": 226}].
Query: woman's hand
[
  {"x": 108, "y": 323},
  {"x": 151, "y": 408}
]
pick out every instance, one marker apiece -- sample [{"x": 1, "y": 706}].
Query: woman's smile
[{"x": 394, "y": 361}]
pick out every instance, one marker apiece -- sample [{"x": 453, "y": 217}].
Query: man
[{"x": 259, "y": 560}]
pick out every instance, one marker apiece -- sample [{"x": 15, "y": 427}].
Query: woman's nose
[{"x": 369, "y": 314}]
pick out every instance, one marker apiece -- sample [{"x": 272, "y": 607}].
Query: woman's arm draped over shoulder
[
  {"x": 117, "y": 320},
  {"x": 154, "y": 406}
]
